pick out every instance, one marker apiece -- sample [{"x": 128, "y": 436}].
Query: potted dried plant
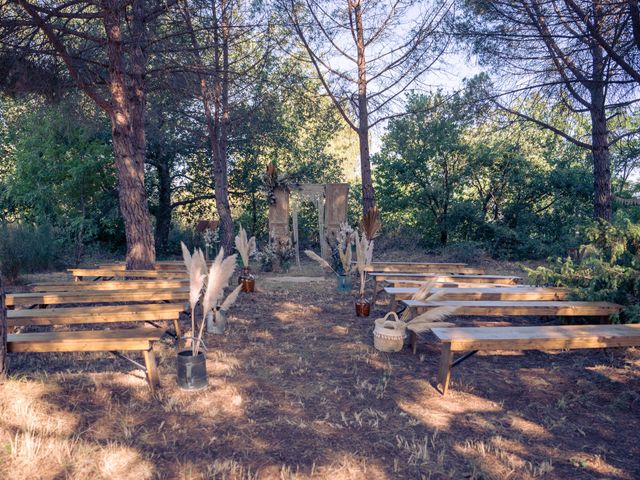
[
  {"x": 191, "y": 362},
  {"x": 343, "y": 245},
  {"x": 364, "y": 255},
  {"x": 245, "y": 248}
]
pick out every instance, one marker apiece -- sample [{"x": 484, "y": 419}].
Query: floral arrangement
[
  {"x": 364, "y": 257},
  {"x": 345, "y": 238},
  {"x": 209, "y": 286}
]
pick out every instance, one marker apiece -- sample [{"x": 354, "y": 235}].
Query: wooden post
[
  {"x": 444, "y": 375},
  {"x": 3, "y": 334},
  {"x": 335, "y": 211}
]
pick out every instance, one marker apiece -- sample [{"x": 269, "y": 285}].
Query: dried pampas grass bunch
[
  {"x": 319, "y": 260},
  {"x": 345, "y": 240},
  {"x": 364, "y": 257},
  {"x": 432, "y": 318},
  {"x": 371, "y": 224},
  {"x": 245, "y": 246},
  {"x": 218, "y": 278}
]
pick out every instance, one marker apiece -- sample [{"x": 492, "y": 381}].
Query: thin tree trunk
[
  {"x": 601, "y": 164},
  {"x": 126, "y": 147},
  {"x": 600, "y": 138},
  {"x": 163, "y": 215},
  {"x": 3, "y": 334},
  {"x": 368, "y": 195},
  {"x": 221, "y": 179}
]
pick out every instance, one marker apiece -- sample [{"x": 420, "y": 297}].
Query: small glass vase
[
  {"x": 344, "y": 283},
  {"x": 363, "y": 307},
  {"x": 247, "y": 280}
]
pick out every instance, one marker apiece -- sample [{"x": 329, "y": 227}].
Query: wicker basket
[{"x": 388, "y": 335}]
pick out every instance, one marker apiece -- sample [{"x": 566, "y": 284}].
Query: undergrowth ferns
[{"x": 208, "y": 286}]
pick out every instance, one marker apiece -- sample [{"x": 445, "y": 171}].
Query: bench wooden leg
[
  {"x": 392, "y": 303},
  {"x": 444, "y": 374},
  {"x": 176, "y": 325},
  {"x": 413, "y": 341},
  {"x": 375, "y": 291},
  {"x": 152, "y": 370}
]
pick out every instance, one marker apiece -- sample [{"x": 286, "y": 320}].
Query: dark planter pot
[
  {"x": 247, "y": 280},
  {"x": 191, "y": 371},
  {"x": 363, "y": 307},
  {"x": 344, "y": 283}
]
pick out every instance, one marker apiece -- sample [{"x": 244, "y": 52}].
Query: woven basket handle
[{"x": 393, "y": 324}]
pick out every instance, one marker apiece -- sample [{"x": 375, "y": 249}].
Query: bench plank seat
[
  {"x": 518, "y": 293},
  {"x": 516, "y": 308},
  {"x": 560, "y": 337},
  {"x": 98, "y": 273},
  {"x": 95, "y": 296},
  {"x": 108, "y": 285},
  {"x": 419, "y": 267},
  {"x": 140, "y": 339},
  {"x": 98, "y": 314},
  {"x": 453, "y": 278}
]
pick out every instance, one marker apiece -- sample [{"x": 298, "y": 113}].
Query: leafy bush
[
  {"x": 27, "y": 249},
  {"x": 607, "y": 268}
]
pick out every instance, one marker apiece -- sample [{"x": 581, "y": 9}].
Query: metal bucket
[
  {"x": 191, "y": 371},
  {"x": 344, "y": 283}
]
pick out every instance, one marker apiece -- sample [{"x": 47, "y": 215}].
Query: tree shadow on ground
[{"x": 297, "y": 390}]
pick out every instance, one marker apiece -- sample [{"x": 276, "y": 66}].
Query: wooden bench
[
  {"x": 167, "y": 265},
  {"x": 95, "y": 296},
  {"x": 600, "y": 310},
  {"x": 102, "y": 273},
  {"x": 518, "y": 293},
  {"x": 139, "y": 339},
  {"x": 514, "y": 308},
  {"x": 109, "y": 285},
  {"x": 385, "y": 276},
  {"x": 562, "y": 337},
  {"x": 420, "y": 267},
  {"x": 149, "y": 313}
]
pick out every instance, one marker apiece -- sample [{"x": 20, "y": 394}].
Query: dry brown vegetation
[{"x": 296, "y": 390}]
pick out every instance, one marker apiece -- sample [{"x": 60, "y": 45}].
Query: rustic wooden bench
[
  {"x": 420, "y": 267},
  {"x": 108, "y": 285},
  {"x": 561, "y": 337},
  {"x": 161, "y": 266},
  {"x": 600, "y": 310},
  {"x": 483, "y": 293},
  {"x": 95, "y": 296},
  {"x": 103, "y": 273},
  {"x": 471, "y": 278},
  {"x": 149, "y": 313},
  {"x": 139, "y": 339}
]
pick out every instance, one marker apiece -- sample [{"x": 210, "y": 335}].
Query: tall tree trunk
[
  {"x": 601, "y": 163},
  {"x": 3, "y": 334},
  {"x": 217, "y": 119},
  {"x": 600, "y": 137},
  {"x": 368, "y": 195},
  {"x": 163, "y": 215},
  {"x": 128, "y": 154},
  {"x": 221, "y": 178}
]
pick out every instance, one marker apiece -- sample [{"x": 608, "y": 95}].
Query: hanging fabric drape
[{"x": 317, "y": 198}]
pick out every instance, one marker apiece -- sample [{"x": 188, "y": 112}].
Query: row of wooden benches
[
  {"x": 105, "y": 340},
  {"x": 504, "y": 297}
]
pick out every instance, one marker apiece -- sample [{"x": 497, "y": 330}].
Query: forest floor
[{"x": 296, "y": 390}]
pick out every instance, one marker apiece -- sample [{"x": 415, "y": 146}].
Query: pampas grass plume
[
  {"x": 317, "y": 258},
  {"x": 231, "y": 298}
]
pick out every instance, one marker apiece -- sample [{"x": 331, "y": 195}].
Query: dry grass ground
[{"x": 297, "y": 391}]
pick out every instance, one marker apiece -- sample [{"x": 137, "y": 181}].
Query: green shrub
[
  {"x": 27, "y": 249},
  {"x": 607, "y": 268}
]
